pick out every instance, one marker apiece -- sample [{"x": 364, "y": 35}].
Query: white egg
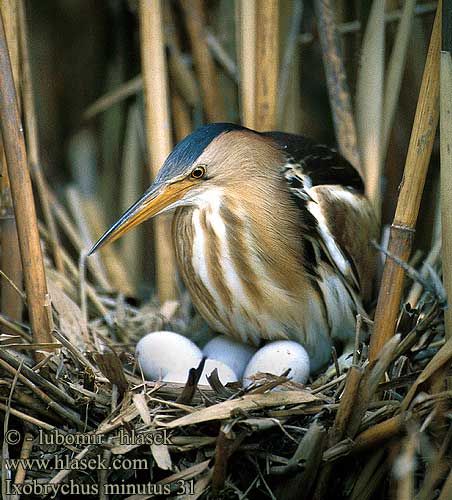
[
  {"x": 225, "y": 373},
  {"x": 158, "y": 353},
  {"x": 276, "y": 358},
  {"x": 179, "y": 376},
  {"x": 230, "y": 352}
]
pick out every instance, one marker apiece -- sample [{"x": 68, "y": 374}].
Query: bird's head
[{"x": 207, "y": 158}]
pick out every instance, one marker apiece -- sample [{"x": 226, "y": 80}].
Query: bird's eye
[{"x": 198, "y": 172}]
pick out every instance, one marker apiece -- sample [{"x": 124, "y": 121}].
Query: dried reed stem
[
  {"x": 10, "y": 257},
  {"x": 120, "y": 275},
  {"x": 127, "y": 89},
  {"x": 289, "y": 77},
  {"x": 246, "y": 44},
  {"x": 395, "y": 72},
  {"x": 183, "y": 78},
  {"x": 25, "y": 453},
  {"x": 267, "y": 64},
  {"x": 369, "y": 103},
  {"x": 32, "y": 138},
  {"x": 379, "y": 433},
  {"x": 72, "y": 232},
  {"x": 39, "y": 306},
  {"x": 446, "y": 492},
  {"x": 446, "y": 159},
  {"x": 344, "y": 123},
  {"x": 416, "y": 165},
  {"x": 205, "y": 66},
  {"x": 181, "y": 117},
  {"x": 158, "y": 128},
  {"x": 406, "y": 467},
  {"x": 131, "y": 188}
]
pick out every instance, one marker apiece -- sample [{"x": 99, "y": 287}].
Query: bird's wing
[{"x": 330, "y": 191}]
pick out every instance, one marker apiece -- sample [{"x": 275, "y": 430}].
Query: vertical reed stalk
[
  {"x": 246, "y": 29},
  {"x": 39, "y": 306},
  {"x": 204, "y": 63},
  {"x": 181, "y": 117},
  {"x": 32, "y": 138},
  {"x": 369, "y": 103},
  {"x": 131, "y": 187},
  {"x": 344, "y": 122},
  {"x": 267, "y": 64},
  {"x": 416, "y": 165},
  {"x": 289, "y": 78},
  {"x": 158, "y": 128},
  {"x": 395, "y": 71},
  {"x": 10, "y": 261},
  {"x": 446, "y": 157}
]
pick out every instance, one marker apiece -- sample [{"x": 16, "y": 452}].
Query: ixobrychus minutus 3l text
[{"x": 272, "y": 235}]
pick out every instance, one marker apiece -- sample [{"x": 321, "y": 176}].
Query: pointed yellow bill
[{"x": 158, "y": 198}]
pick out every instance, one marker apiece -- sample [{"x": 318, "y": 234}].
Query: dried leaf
[
  {"x": 161, "y": 455},
  {"x": 69, "y": 314},
  {"x": 248, "y": 402},
  {"x": 140, "y": 403}
]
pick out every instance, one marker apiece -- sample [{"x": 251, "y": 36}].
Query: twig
[
  {"x": 14, "y": 286},
  {"x": 57, "y": 407},
  {"x": 421, "y": 278},
  {"x": 402, "y": 229}
]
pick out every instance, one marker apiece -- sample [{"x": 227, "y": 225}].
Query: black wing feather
[{"x": 321, "y": 163}]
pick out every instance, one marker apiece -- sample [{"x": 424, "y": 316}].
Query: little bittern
[{"x": 272, "y": 234}]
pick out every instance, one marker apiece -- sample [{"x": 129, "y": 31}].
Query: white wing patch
[{"x": 333, "y": 249}]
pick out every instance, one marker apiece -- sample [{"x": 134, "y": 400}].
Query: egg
[
  {"x": 158, "y": 353},
  {"x": 230, "y": 352},
  {"x": 225, "y": 373},
  {"x": 276, "y": 357}
]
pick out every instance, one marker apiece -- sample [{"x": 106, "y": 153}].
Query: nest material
[{"x": 381, "y": 425}]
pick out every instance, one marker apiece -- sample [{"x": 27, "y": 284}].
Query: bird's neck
[{"x": 247, "y": 228}]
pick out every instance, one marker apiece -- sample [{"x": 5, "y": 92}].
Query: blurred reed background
[{"x": 256, "y": 62}]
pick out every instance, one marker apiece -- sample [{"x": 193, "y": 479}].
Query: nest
[{"x": 89, "y": 424}]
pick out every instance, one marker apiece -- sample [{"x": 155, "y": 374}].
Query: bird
[{"x": 271, "y": 233}]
